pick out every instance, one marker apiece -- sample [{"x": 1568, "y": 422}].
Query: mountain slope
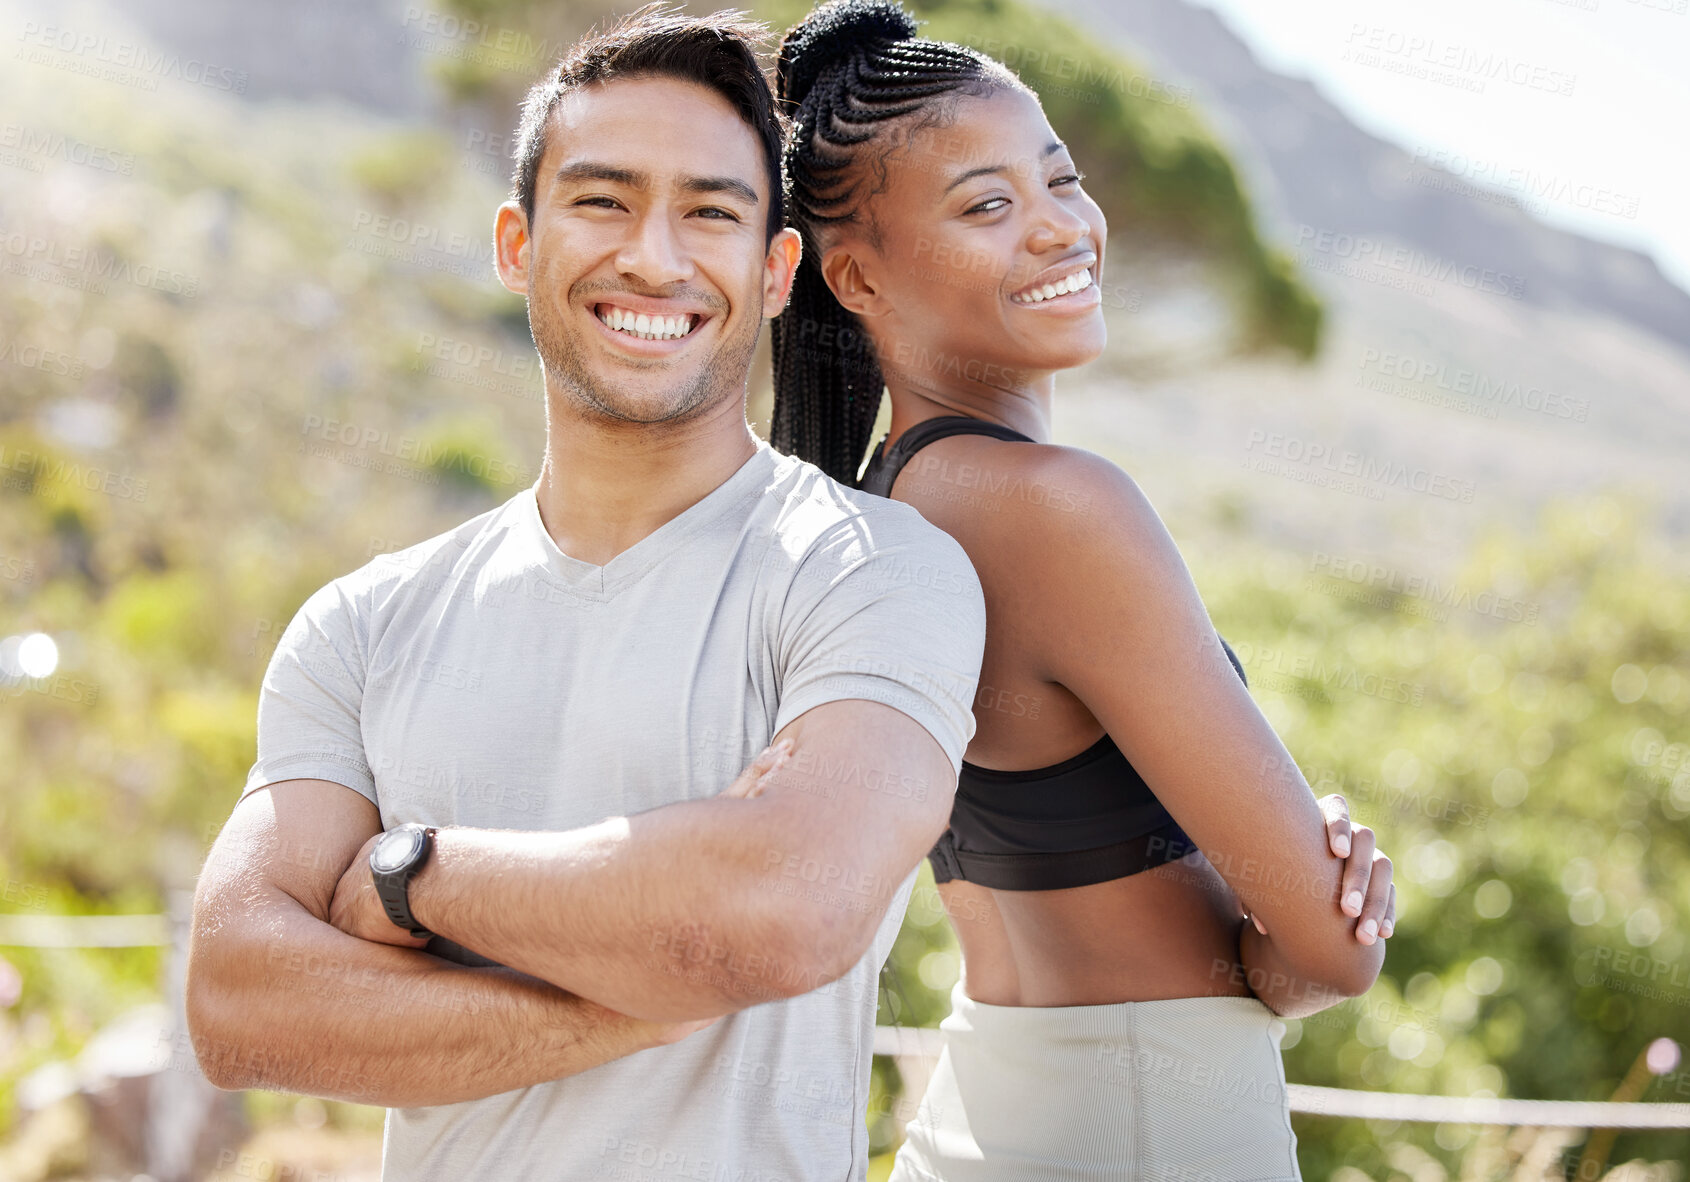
[{"x": 1315, "y": 168}]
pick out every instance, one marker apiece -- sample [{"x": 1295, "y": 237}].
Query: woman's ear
[{"x": 853, "y": 284}]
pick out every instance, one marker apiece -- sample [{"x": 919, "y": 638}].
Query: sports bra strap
[{"x": 884, "y": 466}]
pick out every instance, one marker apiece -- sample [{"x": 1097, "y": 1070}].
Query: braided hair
[{"x": 844, "y": 74}]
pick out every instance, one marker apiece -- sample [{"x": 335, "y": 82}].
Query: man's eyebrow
[
  {"x": 592, "y": 170},
  {"x": 1050, "y": 149},
  {"x": 720, "y": 184}
]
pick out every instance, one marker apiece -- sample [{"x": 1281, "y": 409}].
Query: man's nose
[{"x": 654, "y": 254}]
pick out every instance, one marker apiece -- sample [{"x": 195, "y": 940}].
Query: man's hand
[
  {"x": 1367, "y": 892},
  {"x": 753, "y": 779},
  {"x": 657, "y": 1034},
  {"x": 356, "y": 908}
]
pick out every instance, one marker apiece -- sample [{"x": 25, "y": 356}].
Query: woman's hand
[{"x": 1367, "y": 891}]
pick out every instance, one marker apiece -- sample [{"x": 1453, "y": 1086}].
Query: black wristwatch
[{"x": 397, "y": 857}]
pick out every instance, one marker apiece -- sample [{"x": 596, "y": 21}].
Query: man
[{"x": 658, "y": 970}]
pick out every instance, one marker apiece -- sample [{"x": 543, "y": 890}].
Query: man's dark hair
[{"x": 717, "y": 51}]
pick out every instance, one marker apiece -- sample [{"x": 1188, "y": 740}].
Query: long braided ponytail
[{"x": 844, "y": 73}]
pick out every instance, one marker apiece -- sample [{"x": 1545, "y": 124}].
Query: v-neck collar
[{"x": 632, "y": 564}]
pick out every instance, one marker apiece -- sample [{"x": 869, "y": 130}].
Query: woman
[{"x": 1115, "y": 1013}]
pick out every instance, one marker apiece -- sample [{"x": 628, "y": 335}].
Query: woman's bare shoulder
[{"x": 1048, "y": 514}]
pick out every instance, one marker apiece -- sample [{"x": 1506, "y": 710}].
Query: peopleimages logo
[
  {"x": 422, "y": 236},
  {"x": 479, "y": 35},
  {"x": 150, "y": 64},
  {"x": 39, "y": 257},
  {"x": 1089, "y": 76},
  {"x": 1362, "y": 250},
  {"x": 23, "y": 470},
  {"x": 1538, "y": 189},
  {"x": 1421, "y": 56},
  {"x": 1297, "y": 673},
  {"x": 1486, "y": 388},
  {"x": 49, "y": 361},
  {"x": 427, "y": 457},
  {"x": 41, "y": 144},
  {"x": 1373, "y": 576},
  {"x": 1277, "y": 453}
]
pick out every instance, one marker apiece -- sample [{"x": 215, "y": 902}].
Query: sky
[{"x": 1580, "y": 107}]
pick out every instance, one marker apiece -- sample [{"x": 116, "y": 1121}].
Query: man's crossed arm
[
  {"x": 698, "y": 909},
  {"x": 620, "y": 936},
  {"x": 278, "y": 998}
]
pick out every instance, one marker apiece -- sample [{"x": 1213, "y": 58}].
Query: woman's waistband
[{"x": 1160, "y": 1016}]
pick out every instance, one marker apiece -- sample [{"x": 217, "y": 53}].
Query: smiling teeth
[
  {"x": 1039, "y": 295},
  {"x": 647, "y": 327}
]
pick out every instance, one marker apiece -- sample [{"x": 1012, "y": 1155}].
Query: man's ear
[
  {"x": 512, "y": 247},
  {"x": 779, "y": 266},
  {"x": 851, "y": 283}
]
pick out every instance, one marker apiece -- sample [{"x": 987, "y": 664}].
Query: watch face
[{"x": 396, "y": 847}]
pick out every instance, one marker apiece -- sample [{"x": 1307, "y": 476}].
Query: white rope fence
[
  {"x": 1479, "y": 1110},
  {"x": 84, "y": 931},
  {"x": 917, "y": 1042}
]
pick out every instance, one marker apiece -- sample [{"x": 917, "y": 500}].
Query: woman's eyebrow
[{"x": 1053, "y": 147}]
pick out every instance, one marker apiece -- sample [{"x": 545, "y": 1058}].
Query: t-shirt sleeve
[
  {"x": 310, "y": 702},
  {"x": 887, "y": 607}
]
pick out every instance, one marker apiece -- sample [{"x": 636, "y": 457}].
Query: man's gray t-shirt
[{"x": 484, "y": 678}]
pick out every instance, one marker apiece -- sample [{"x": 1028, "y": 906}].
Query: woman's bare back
[{"x": 1170, "y": 931}]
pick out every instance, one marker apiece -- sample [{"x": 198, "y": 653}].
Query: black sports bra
[{"x": 1089, "y": 819}]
